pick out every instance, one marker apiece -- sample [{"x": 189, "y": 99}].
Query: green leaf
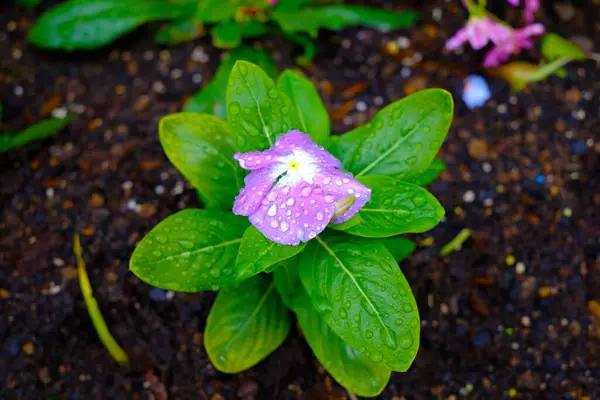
[
  {"x": 431, "y": 173},
  {"x": 352, "y": 369},
  {"x": 399, "y": 248},
  {"x": 555, "y": 46},
  {"x": 396, "y": 207},
  {"x": 256, "y": 110},
  {"x": 344, "y": 226},
  {"x": 212, "y": 99},
  {"x": 313, "y": 115},
  {"x": 403, "y": 138},
  {"x": 257, "y": 254},
  {"x": 227, "y": 35},
  {"x": 246, "y": 323},
  {"x": 214, "y": 11},
  {"x": 190, "y": 251},
  {"x": 335, "y": 18},
  {"x": 179, "y": 31},
  {"x": 87, "y": 24},
  {"x": 287, "y": 280},
  {"x": 291, "y": 5},
  {"x": 201, "y": 147},
  {"x": 343, "y": 146},
  {"x": 356, "y": 286},
  {"x": 39, "y": 131}
]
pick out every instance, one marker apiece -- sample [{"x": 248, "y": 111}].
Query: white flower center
[{"x": 297, "y": 166}]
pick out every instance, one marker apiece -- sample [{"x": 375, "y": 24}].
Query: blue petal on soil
[{"x": 476, "y": 91}]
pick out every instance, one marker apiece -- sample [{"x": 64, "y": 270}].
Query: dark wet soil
[{"x": 511, "y": 314}]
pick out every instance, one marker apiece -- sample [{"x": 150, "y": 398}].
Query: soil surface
[{"x": 511, "y": 314}]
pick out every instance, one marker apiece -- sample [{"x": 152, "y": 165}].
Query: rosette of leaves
[
  {"x": 88, "y": 24},
  {"x": 353, "y": 304}
]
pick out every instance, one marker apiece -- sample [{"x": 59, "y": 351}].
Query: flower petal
[
  {"x": 258, "y": 185},
  {"x": 458, "y": 39},
  {"x": 296, "y": 140},
  {"x": 258, "y": 159},
  {"x": 291, "y": 215},
  {"x": 339, "y": 186}
]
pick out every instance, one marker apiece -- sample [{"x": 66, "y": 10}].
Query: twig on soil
[
  {"x": 92, "y": 307},
  {"x": 455, "y": 243}
]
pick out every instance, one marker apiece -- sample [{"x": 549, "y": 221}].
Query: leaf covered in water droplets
[
  {"x": 352, "y": 369},
  {"x": 246, "y": 323},
  {"x": 357, "y": 287},
  {"x": 403, "y": 138},
  {"x": 190, "y": 251},
  {"x": 257, "y": 253},
  {"x": 399, "y": 247},
  {"x": 287, "y": 280},
  {"x": 395, "y": 208},
  {"x": 256, "y": 110},
  {"x": 201, "y": 148}
]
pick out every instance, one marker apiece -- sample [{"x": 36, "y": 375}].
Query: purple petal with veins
[{"x": 295, "y": 190}]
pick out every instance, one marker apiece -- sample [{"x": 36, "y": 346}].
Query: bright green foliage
[
  {"x": 347, "y": 365},
  {"x": 555, "y": 47},
  {"x": 246, "y": 323},
  {"x": 313, "y": 115},
  {"x": 191, "y": 251},
  {"x": 212, "y": 99},
  {"x": 257, "y": 254},
  {"x": 179, "y": 31},
  {"x": 353, "y": 304},
  {"x": 39, "y": 131},
  {"x": 395, "y": 208},
  {"x": 87, "y": 24},
  {"x": 356, "y": 286},
  {"x": 201, "y": 147},
  {"x": 257, "y": 111},
  {"x": 335, "y": 18}
]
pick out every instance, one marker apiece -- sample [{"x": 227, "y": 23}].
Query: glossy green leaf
[
  {"x": 399, "y": 247},
  {"x": 555, "y": 46},
  {"x": 201, "y": 148},
  {"x": 344, "y": 226},
  {"x": 87, "y": 24},
  {"x": 343, "y": 146},
  {"x": 212, "y": 99},
  {"x": 305, "y": 98},
  {"x": 395, "y": 208},
  {"x": 403, "y": 138},
  {"x": 257, "y": 254},
  {"x": 431, "y": 173},
  {"x": 256, "y": 110},
  {"x": 356, "y": 286},
  {"x": 190, "y": 251},
  {"x": 352, "y": 369},
  {"x": 227, "y": 35},
  {"x": 179, "y": 31},
  {"x": 337, "y": 17},
  {"x": 246, "y": 323},
  {"x": 39, "y": 131},
  {"x": 287, "y": 280}
]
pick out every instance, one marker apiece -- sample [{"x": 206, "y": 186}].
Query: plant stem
[
  {"x": 455, "y": 243},
  {"x": 548, "y": 69},
  {"x": 94, "y": 311}
]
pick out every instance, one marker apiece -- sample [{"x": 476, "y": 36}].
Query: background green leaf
[
  {"x": 179, "y": 31},
  {"x": 227, "y": 35},
  {"x": 305, "y": 98},
  {"x": 87, "y": 24},
  {"x": 338, "y": 17},
  {"x": 201, "y": 147},
  {"x": 431, "y": 173},
  {"x": 396, "y": 207},
  {"x": 190, "y": 251},
  {"x": 352, "y": 369},
  {"x": 212, "y": 99},
  {"x": 214, "y": 11},
  {"x": 256, "y": 110},
  {"x": 399, "y": 248},
  {"x": 257, "y": 254},
  {"x": 555, "y": 46},
  {"x": 39, "y": 131},
  {"x": 356, "y": 286},
  {"x": 403, "y": 138},
  {"x": 246, "y": 323}
]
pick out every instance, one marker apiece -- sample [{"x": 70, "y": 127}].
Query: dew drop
[
  {"x": 234, "y": 108},
  {"x": 343, "y": 314},
  {"x": 407, "y": 341}
]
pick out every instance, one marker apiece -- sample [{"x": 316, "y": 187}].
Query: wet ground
[{"x": 511, "y": 314}]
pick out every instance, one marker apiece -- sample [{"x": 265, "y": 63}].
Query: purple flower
[
  {"x": 478, "y": 32},
  {"x": 531, "y": 7},
  {"x": 518, "y": 40},
  {"x": 295, "y": 189}
]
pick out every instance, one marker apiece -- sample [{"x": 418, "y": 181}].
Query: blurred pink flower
[
  {"x": 531, "y": 7},
  {"x": 478, "y": 32},
  {"x": 516, "y": 41}
]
